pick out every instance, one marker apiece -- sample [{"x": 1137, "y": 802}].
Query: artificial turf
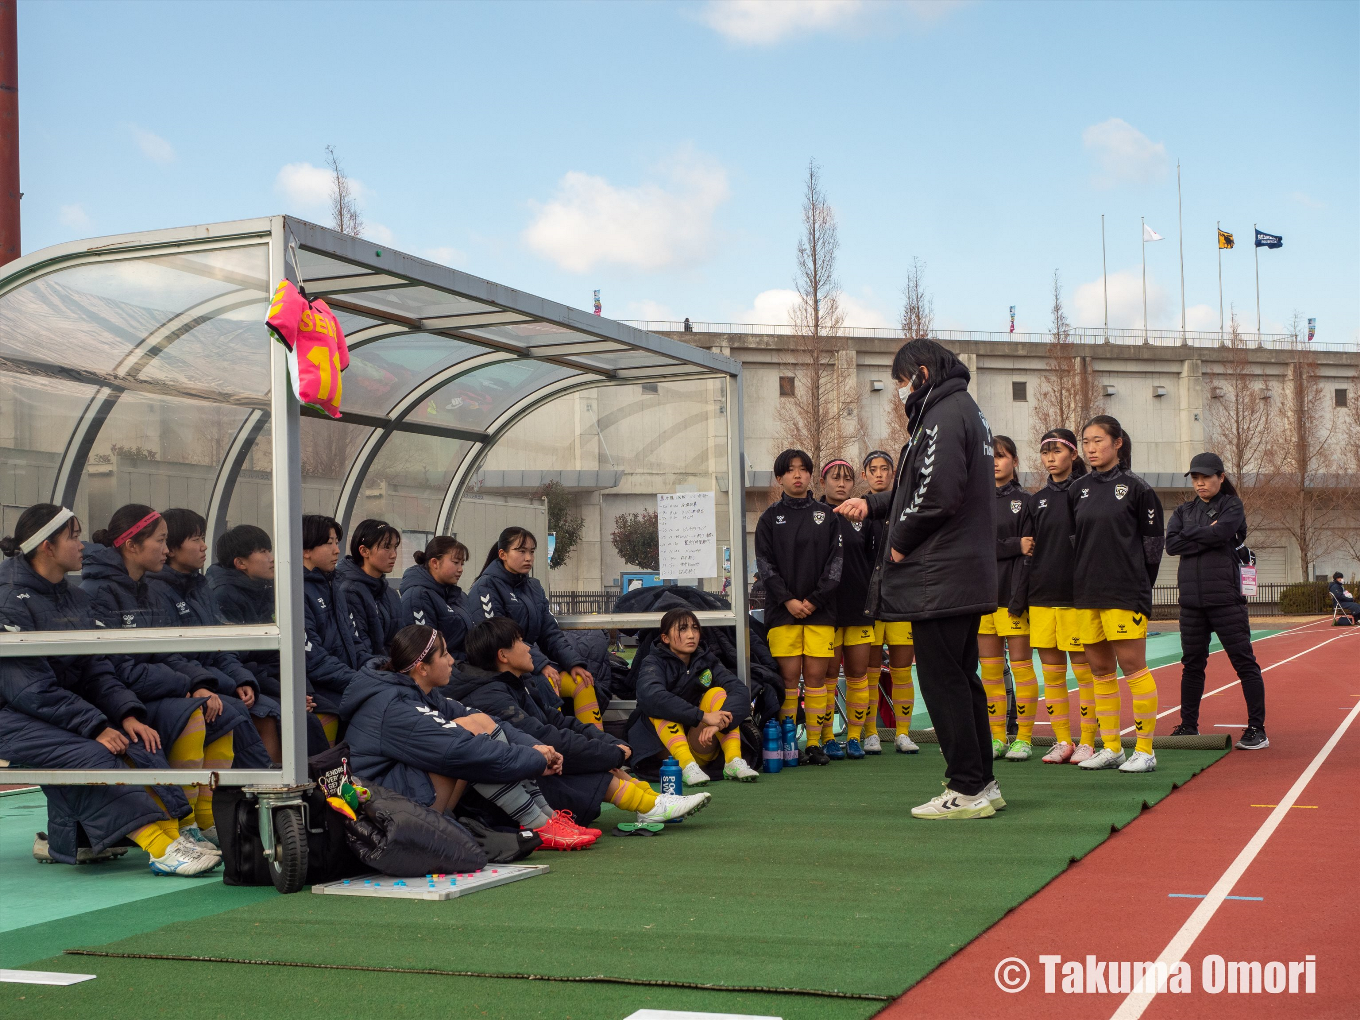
[{"x": 813, "y": 879}]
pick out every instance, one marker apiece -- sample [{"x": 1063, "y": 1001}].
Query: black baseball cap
[{"x": 1206, "y": 464}]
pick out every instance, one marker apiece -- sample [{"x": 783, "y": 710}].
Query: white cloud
[
  {"x": 73, "y": 216},
  {"x": 1202, "y": 318},
  {"x": 1126, "y": 302},
  {"x": 1306, "y": 200},
  {"x": 1124, "y": 154},
  {"x": 651, "y": 311},
  {"x": 774, "y": 308},
  {"x": 862, "y": 315},
  {"x": 153, "y": 146},
  {"x": 377, "y": 232},
  {"x": 447, "y": 256},
  {"x": 310, "y": 186},
  {"x": 765, "y": 22},
  {"x": 591, "y": 221}
]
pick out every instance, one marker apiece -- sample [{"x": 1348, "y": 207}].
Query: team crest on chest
[
  {"x": 1015, "y": 506},
  {"x": 818, "y": 516},
  {"x": 1043, "y": 503},
  {"x": 857, "y": 525},
  {"x": 1120, "y": 491}
]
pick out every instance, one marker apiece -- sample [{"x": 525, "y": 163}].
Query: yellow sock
[
  {"x": 1056, "y": 702},
  {"x": 155, "y": 839},
  {"x": 814, "y": 707},
  {"x": 856, "y": 706},
  {"x": 187, "y": 753},
  {"x": 871, "y": 704},
  {"x": 789, "y": 709},
  {"x": 730, "y": 741},
  {"x": 903, "y": 696},
  {"x": 994, "y": 683},
  {"x": 1143, "y": 688},
  {"x": 170, "y": 825},
  {"x": 217, "y": 755},
  {"x": 1026, "y": 698},
  {"x": 1086, "y": 701},
  {"x": 829, "y": 713},
  {"x": 1108, "y": 706},
  {"x": 630, "y": 796},
  {"x": 584, "y": 704},
  {"x": 672, "y": 734},
  {"x": 331, "y": 724}
]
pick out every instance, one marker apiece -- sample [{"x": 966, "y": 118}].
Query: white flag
[{"x": 1149, "y": 234}]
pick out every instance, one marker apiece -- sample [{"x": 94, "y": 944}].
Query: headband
[
  {"x": 873, "y": 454},
  {"x": 46, "y": 531},
  {"x": 1058, "y": 439},
  {"x": 831, "y": 464},
  {"x": 153, "y": 515},
  {"x": 421, "y": 657}
]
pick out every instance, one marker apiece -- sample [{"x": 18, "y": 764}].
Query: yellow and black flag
[{"x": 1225, "y": 239}]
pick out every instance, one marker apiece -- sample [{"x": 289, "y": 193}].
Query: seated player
[
  {"x": 336, "y": 649},
  {"x": 497, "y": 678},
  {"x": 407, "y": 735},
  {"x": 430, "y": 594},
  {"x": 362, "y": 575},
  {"x": 689, "y": 705}
]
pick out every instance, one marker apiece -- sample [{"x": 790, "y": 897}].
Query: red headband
[
  {"x": 421, "y": 657},
  {"x": 136, "y": 528},
  {"x": 833, "y": 463}
]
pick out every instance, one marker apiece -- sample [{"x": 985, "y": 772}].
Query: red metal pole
[{"x": 9, "y": 132}]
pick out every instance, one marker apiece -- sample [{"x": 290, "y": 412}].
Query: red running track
[{"x": 1114, "y": 903}]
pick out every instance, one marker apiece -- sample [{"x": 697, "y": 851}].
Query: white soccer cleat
[
  {"x": 1103, "y": 759},
  {"x": 1140, "y": 761},
  {"x": 904, "y": 744},
  {"x": 992, "y": 791},
  {"x": 738, "y": 771},
  {"x": 694, "y": 774},
  {"x": 183, "y": 858},
  {"x": 951, "y": 805},
  {"x": 669, "y": 807},
  {"x": 872, "y": 745},
  {"x": 1060, "y": 753},
  {"x": 1081, "y": 754},
  {"x": 199, "y": 838}
]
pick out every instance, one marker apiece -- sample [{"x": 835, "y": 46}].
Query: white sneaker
[
  {"x": 669, "y": 807},
  {"x": 904, "y": 744},
  {"x": 198, "y": 838},
  {"x": 1140, "y": 761},
  {"x": 210, "y": 834},
  {"x": 738, "y": 770},
  {"x": 694, "y": 774},
  {"x": 954, "y": 805},
  {"x": 1084, "y": 752},
  {"x": 1061, "y": 752},
  {"x": 992, "y": 791},
  {"x": 183, "y": 858},
  {"x": 1103, "y": 759},
  {"x": 872, "y": 745}
]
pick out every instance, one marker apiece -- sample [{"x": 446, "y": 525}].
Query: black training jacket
[
  {"x": 857, "y": 564},
  {"x": 799, "y": 556},
  {"x": 940, "y": 511},
  {"x": 1049, "y": 523},
  {"x": 1117, "y": 523},
  {"x": 1012, "y": 573},
  {"x": 669, "y": 689},
  {"x": 1205, "y": 535}
]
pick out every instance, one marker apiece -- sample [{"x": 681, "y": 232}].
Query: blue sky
[{"x": 656, "y": 150}]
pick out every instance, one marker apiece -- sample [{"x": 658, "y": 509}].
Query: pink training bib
[{"x": 317, "y": 354}]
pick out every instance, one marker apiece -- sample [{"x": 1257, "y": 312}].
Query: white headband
[{"x": 46, "y": 531}]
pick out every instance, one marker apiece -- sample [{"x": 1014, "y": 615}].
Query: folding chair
[{"x": 1339, "y": 612}]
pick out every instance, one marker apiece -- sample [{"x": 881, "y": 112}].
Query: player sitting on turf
[
  {"x": 689, "y": 705},
  {"x": 498, "y": 678}
]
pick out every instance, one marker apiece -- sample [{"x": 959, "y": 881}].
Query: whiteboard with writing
[{"x": 688, "y": 534}]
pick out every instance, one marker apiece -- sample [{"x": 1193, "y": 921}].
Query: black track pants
[
  {"x": 947, "y": 672},
  {"x": 1234, "y": 633}
]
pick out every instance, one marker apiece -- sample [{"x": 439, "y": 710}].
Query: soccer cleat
[
  {"x": 570, "y": 819},
  {"x": 183, "y": 858},
  {"x": 694, "y": 774},
  {"x": 904, "y": 744},
  {"x": 1081, "y": 754},
  {"x": 992, "y": 791},
  {"x": 559, "y": 834},
  {"x": 195, "y": 836},
  {"x": 1060, "y": 753},
  {"x": 1020, "y": 751},
  {"x": 999, "y": 748},
  {"x": 1185, "y": 731},
  {"x": 1253, "y": 739},
  {"x": 1140, "y": 761},
  {"x": 669, "y": 807},
  {"x": 953, "y": 805},
  {"x": 1103, "y": 759},
  {"x": 853, "y": 750},
  {"x": 834, "y": 750},
  {"x": 84, "y": 855},
  {"x": 210, "y": 834},
  {"x": 814, "y": 755},
  {"x": 872, "y": 745},
  {"x": 738, "y": 770}
]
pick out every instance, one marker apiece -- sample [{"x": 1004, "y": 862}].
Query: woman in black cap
[{"x": 1209, "y": 533}]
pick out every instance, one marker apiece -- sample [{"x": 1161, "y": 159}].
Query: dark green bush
[{"x": 1305, "y": 599}]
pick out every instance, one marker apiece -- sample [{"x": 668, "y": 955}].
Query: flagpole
[
  {"x": 1220, "y": 280},
  {"x": 1180, "y": 226},
  {"x": 1256, "y": 252},
  {"x": 1143, "y": 221},
  {"x": 1104, "y": 277}
]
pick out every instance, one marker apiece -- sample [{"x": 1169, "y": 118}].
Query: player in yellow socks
[
  {"x": 1054, "y": 630},
  {"x": 856, "y": 647},
  {"x": 799, "y": 560},
  {"x": 1007, "y": 629},
  {"x": 1117, "y": 523}
]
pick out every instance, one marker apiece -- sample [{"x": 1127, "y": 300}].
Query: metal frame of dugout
[{"x": 379, "y": 293}]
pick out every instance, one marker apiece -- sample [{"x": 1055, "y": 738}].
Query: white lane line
[
  {"x": 1264, "y": 669},
  {"x": 1133, "y": 1006}
]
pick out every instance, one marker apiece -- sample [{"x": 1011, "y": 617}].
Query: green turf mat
[{"x": 819, "y": 865}]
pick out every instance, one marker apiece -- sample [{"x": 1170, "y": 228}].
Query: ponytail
[
  {"x": 510, "y": 538},
  {"x": 1111, "y": 427},
  {"x": 440, "y": 545},
  {"x": 45, "y": 519}
]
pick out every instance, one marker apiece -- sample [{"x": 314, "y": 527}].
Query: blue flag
[{"x": 1264, "y": 240}]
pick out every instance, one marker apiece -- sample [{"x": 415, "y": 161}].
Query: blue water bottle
[
  {"x": 672, "y": 778},
  {"x": 790, "y": 743},
  {"x": 773, "y": 757}
]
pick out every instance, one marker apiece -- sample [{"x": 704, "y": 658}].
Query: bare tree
[
  {"x": 345, "y": 216},
  {"x": 818, "y": 408},
  {"x": 1069, "y": 394},
  {"x": 1347, "y": 443},
  {"x": 1236, "y": 415},
  {"x": 918, "y": 308}
]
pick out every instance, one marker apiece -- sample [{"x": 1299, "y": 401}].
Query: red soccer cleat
[
  {"x": 570, "y": 819},
  {"x": 558, "y": 834}
]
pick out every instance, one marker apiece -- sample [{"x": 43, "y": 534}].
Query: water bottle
[
  {"x": 790, "y": 743},
  {"x": 774, "y": 746},
  {"x": 672, "y": 778}
]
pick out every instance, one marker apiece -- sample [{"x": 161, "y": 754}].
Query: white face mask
[{"x": 903, "y": 392}]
